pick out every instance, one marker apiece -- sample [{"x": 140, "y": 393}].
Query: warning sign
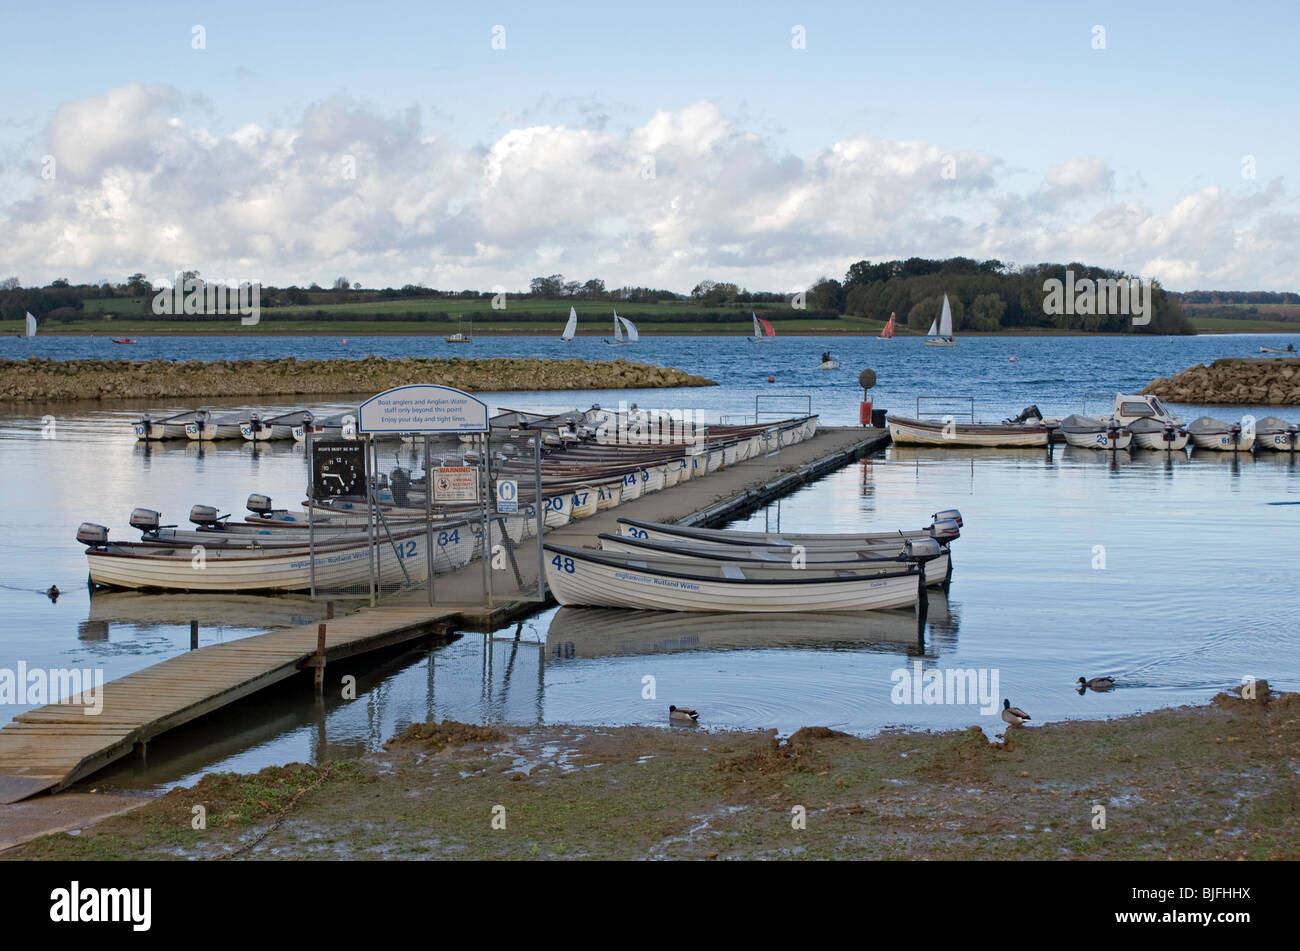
[{"x": 455, "y": 484}]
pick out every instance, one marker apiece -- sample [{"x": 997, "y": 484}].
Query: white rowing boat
[
  {"x": 936, "y": 570},
  {"x": 907, "y": 431},
  {"x": 1274, "y": 433},
  {"x": 945, "y": 526},
  {"x": 1087, "y": 432},
  {"x": 582, "y": 576},
  {"x": 1158, "y": 435},
  {"x": 1219, "y": 436}
]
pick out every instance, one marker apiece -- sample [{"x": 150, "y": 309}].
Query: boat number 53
[{"x": 563, "y": 564}]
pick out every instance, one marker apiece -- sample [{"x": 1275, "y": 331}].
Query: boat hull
[{"x": 915, "y": 432}]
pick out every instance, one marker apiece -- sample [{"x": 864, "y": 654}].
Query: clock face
[{"x": 338, "y": 469}]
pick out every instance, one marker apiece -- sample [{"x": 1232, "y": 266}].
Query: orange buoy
[
  {"x": 771, "y": 379},
  {"x": 345, "y": 339},
  {"x": 1013, "y": 359}
]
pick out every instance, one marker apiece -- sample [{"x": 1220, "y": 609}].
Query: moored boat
[
  {"x": 1159, "y": 435},
  {"x": 929, "y": 432},
  {"x": 1215, "y": 434},
  {"x": 1087, "y": 432},
  {"x": 1274, "y": 433},
  {"x": 582, "y": 576}
]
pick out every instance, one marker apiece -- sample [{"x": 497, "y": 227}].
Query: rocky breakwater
[
  {"x": 36, "y": 378},
  {"x": 1233, "y": 380}
]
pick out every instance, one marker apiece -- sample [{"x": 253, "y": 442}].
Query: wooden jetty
[
  {"x": 50, "y": 747},
  {"x": 53, "y": 746}
]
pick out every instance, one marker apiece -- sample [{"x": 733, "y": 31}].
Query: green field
[{"x": 1221, "y": 325}]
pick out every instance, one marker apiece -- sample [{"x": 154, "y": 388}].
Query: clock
[{"x": 338, "y": 468}]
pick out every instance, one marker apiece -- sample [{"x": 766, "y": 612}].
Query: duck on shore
[{"x": 1013, "y": 716}]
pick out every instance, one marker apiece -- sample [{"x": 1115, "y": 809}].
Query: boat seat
[{"x": 732, "y": 572}]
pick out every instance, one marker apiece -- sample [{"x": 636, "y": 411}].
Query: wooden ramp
[{"x": 55, "y": 745}]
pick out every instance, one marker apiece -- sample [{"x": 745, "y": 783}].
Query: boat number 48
[{"x": 563, "y": 564}]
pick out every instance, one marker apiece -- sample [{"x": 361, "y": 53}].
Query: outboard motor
[
  {"x": 1293, "y": 436},
  {"x": 945, "y": 531},
  {"x": 92, "y": 535},
  {"x": 259, "y": 504},
  {"x": 948, "y": 515},
  {"x": 1113, "y": 431},
  {"x": 922, "y": 549},
  {"x": 1028, "y": 413},
  {"x": 1235, "y": 432},
  {"x": 205, "y": 516},
  {"x": 1170, "y": 433},
  {"x": 401, "y": 483},
  {"x": 146, "y": 520}
]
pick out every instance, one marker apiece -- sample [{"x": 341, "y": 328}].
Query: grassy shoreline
[{"x": 1208, "y": 782}]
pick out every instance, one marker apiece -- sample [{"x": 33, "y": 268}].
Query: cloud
[{"x": 677, "y": 196}]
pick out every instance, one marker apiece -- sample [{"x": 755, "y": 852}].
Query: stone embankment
[
  {"x": 1233, "y": 380},
  {"x": 44, "y": 379}
]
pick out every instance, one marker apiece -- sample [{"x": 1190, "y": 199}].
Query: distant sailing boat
[
  {"x": 887, "y": 331},
  {"x": 943, "y": 337},
  {"x": 458, "y": 336},
  {"x": 571, "y": 327},
  {"x": 764, "y": 334},
  {"x": 621, "y": 323},
  {"x": 31, "y": 326}
]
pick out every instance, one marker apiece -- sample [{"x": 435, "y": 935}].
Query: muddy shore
[
  {"x": 1210, "y": 782},
  {"x": 1233, "y": 380},
  {"x": 35, "y": 378}
]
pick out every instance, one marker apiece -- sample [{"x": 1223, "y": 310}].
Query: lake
[{"x": 1161, "y": 572}]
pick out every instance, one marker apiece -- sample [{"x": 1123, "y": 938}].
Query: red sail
[{"x": 767, "y": 328}]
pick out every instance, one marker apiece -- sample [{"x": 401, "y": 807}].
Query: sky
[{"x": 661, "y": 144}]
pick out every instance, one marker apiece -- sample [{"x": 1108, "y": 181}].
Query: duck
[
  {"x": 683, "y": 714},
  {"x": 1013, "y": 715},
  {"x": 53, "y": 592},
  {"x": 1096, "y": 683}
]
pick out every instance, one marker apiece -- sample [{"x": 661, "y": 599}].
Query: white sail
[
  {"x": 632, "y": 335},
  {"x": 618, "y": 331},
  {"x": 934, "y": 328},
  {"x": 945, "y": 319},
  {"x": 571, "y": 327},
  {"x": 31, "y": 326},
  {"x": 758, "y": 332}
]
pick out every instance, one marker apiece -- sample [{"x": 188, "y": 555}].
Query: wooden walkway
[{"x": 50, "y": 747}]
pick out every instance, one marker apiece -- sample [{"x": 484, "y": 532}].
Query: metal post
[
  {"x": 370, "y": 520},
  {"x": 194, "y": 635},
  {"x": 428, "y": 512},
  {"x": 541, "y": 516},
  {"x": 485, "y": 495},
  {"x": 311, "y": 517}
]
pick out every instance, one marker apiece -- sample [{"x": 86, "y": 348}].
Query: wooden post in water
[
  {"x": 194, "y": 635},
  {"x": 318, "y": 660},
  {"x": 329, "y": 610}
]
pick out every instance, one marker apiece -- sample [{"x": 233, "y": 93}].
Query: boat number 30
[
  {"x": 563, "y": 564},
  {"x": 638, "y": 533}
]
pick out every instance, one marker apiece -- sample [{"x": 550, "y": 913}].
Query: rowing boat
[{"x": 905, "y": 430}]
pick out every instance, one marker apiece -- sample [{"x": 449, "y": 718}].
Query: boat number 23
[{"x": 563, "y": 564}]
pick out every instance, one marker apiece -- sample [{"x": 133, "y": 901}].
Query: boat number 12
[
  {"x": 563, "y": 564},
  {"x": 406, "y": 550}
]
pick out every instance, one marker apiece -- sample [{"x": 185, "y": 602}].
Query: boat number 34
[{"x": 563, "y": 564}]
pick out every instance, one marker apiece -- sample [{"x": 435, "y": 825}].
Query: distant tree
[
  {"x": 59, "y": 282},
  {"x": 594, "y": 289},
  {"x": 571, "y": 288},
  {"x": 702, "y": 290},
  {"x": 826, "y": 294},
  {"x": 10, "y": 284},
  {"x": 341, "y": 284},
  {"x": 552, "y": 286},
  {"x": 138, "y": 285},
  {"x": 986, "y": 313}
]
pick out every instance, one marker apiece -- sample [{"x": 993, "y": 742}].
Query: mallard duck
[
  {"x": 1097, "y": 683},
  {"x": 684, "y": 714},
  {"x": 1014, "y": 715},
  {"x": 53, "y": 592}
]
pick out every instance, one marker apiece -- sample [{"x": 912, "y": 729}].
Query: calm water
[{"x": 1196, "y": 564}]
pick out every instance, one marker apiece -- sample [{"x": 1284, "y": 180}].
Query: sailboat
[
  {"x": 31, "y": 326},
  {"x": 940, "y": 334},
  {"x": 621, "y": 324},
  {"x": 571, "y": 327},
  {"x": 887, "y": 331},
  {"x": 763, "y": 334},
  {"x": 458, "y": 336}
]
